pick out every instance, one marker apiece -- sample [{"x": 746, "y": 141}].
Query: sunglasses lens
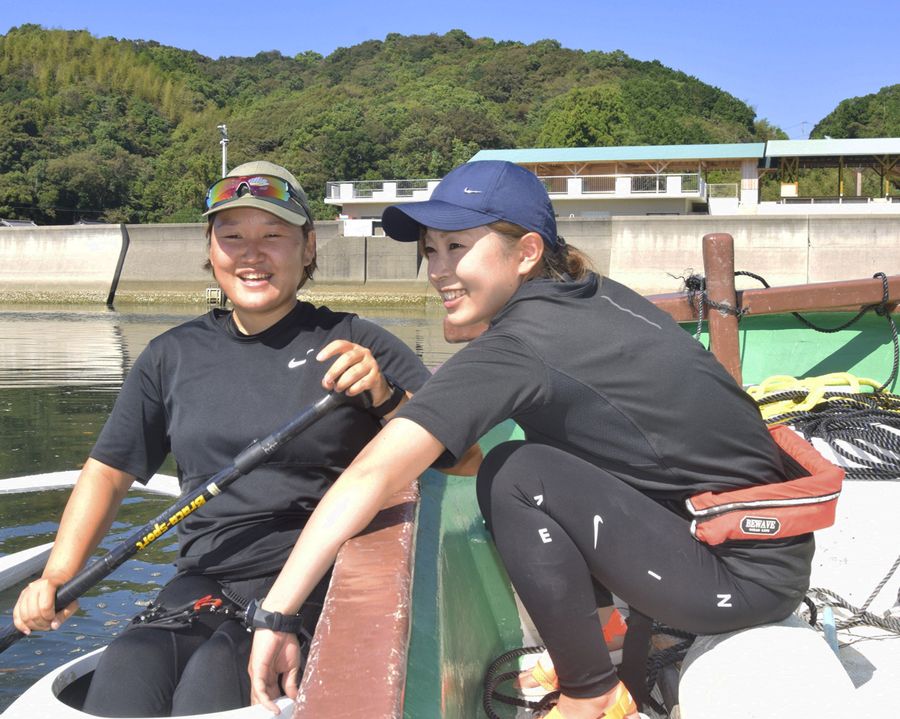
[{"x": 257, "y": 185}]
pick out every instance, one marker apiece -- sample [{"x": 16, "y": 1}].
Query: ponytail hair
[{"x": 558, "y": 263}]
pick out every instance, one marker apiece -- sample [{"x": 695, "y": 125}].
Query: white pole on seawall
[{"x": 223, "y": 130}]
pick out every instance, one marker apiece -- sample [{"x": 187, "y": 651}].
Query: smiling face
[
  {"x": 258, "y": 260},
  {"x": 477, "y": 271}
]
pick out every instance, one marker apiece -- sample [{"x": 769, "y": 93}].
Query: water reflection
[
  {"x": 60, "y": 371},
  {"x": 77, "y": 349}
]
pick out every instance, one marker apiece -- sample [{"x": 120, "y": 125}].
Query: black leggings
[
  {"x": 202, "y": 668},
  {"x": 563, "y": 525}
]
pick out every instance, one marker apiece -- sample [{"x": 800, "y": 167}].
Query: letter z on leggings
[{"x": 562, "y": 524}]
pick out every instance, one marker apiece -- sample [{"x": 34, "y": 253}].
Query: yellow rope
[{"x": 814, "y": 389}]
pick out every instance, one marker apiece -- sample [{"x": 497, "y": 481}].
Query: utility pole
[{"x": 224, "y": 143}]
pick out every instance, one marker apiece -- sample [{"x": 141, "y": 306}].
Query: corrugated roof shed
[
  {"x": 834, "y": 148},
  {"x": 738, "y": 150}
]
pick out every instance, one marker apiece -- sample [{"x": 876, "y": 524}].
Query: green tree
[
  {"x": 875, "y": 115},
  {"x": 586, "y": 117}
]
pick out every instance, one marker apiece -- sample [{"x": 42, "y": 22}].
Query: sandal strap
[
  {"x": 624, "y": 704},
  {"x": 544, "y": 673},
  {"x": 623, "y": 707}
]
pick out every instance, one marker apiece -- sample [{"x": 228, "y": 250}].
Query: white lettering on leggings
[
  {"x": 545, "y": 535},
  {"x": 654, "y": 574},
  {"x": 539, "y": 499},
  {"x": 724, "y": 600}
]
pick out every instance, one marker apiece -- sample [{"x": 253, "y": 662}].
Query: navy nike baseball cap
[{"x": 475, "y": 194}]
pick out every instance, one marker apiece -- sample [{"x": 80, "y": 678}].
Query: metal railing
[
  {"x": 722, "y": 189},
  {"x": 368, "y": 189},
  {"x": 649, "y": 183},
  {"x": 593, "y": 184},
  {"x": 557, "y": 185},
  {"x": 832, "y": 200},
  {"x": 690, "y": 182},
  {"x": 405, "y": 188}
]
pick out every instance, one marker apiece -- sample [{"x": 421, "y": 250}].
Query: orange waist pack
[{"x": 772, "y": 511}]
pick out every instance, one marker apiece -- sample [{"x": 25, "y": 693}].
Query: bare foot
[
  {"x": 527, "y": 677},
  {"x": 526, "y": 681}
]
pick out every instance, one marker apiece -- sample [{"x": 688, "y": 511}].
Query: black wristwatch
[
  {"x": 258, "y": 618},
  {"x": 390, "y": 404}
]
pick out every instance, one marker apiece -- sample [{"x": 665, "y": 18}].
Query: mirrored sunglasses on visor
[{"x": 267, "y": 187}]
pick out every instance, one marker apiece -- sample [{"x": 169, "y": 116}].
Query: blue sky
[{"x": 792, "y": 61}]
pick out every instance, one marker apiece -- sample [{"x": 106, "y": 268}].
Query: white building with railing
[{"x": 658, "y": 180}]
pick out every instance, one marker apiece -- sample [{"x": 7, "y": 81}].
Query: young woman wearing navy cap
[{"x": 625, "y": 416}]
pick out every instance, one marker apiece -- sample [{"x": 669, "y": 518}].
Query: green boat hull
[
  {"x": 463, "y": 613},
  {"x": 780, "y": 344}
]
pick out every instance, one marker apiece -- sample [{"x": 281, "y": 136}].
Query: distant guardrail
[{"x": 722, "y": 190}]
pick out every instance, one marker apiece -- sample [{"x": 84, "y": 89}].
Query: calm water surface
[{"x": 60, "y": 371}]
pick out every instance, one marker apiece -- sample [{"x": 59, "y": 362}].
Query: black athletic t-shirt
[
  {"x": 594, "y": 369},
  {"x": 203, "y": 392}
]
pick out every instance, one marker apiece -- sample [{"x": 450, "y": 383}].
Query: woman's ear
[
  {"x": 309, "y": 251},
  {"x": 531, "y": 248}
]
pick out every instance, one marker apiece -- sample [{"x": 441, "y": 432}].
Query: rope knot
[{"x": 695, "y": 283}]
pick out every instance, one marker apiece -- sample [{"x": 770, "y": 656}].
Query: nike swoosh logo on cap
[{"x": 471, "y": 192}]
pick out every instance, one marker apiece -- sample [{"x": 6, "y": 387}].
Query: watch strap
[
  {"x": 391, "y": 403},
  {"x": 259, "y": 618}
]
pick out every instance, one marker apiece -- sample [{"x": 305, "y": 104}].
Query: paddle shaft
[{"x": 253, "y": 456}]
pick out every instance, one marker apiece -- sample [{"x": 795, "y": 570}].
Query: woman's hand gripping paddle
[{"x": 250, "y": 458}]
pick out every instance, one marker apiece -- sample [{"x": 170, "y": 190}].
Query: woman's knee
[
  {"x": 136, "y": 672},
  {"x": 228, "y": 647},
  {"x": 134, "y": 649},
  {"x": 215, "y": 678},
  {"x": 510, "y": 471}
]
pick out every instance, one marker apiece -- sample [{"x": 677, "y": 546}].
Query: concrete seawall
[
  {"x": 650, "y": 254},
  {"x": 78, "y": 261}
]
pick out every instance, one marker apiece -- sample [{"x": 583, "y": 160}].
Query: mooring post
[{"x": 718, "y": 266}]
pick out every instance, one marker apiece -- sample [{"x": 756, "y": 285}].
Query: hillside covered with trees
[
  {"x": 121, "y": 130},
  {"x": 875, "y": 115}
]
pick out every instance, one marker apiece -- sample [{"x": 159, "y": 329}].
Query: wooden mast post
[{"x": 718, "y": 265}]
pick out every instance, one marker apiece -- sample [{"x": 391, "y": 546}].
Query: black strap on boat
[
  {"x": 640, "y": 667},
  {"x": 698, "y": 299},
  {"x": 187, "y": 614},
  {"x": 635, "y": 653}
]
